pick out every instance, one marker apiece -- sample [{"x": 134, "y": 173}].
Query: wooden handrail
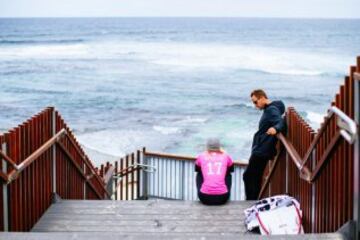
[
  {"x": 14, "y": 173},
  {"x": 300, "y": 163},
  {"x": 172, "y": 156},
  {"x": 127, "y": 170},
  {"x": 329, "y": 149},
  {"x": 316, "y": 139},
  {"x": 7, "y": 159},
  {"x": 78, "y": 168},
  {"x": 305, "y": 173},
  {"x": 24, "y": 164},
  {"x": 87, "y": 163},
  {"x": 186, "y": 158}
]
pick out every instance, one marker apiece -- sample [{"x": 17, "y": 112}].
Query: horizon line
[{"x": 249, "y": 17}]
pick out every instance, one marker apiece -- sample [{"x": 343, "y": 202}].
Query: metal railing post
[
  {"x": 313, "y": 194},
  {"x": 145, "y": 175},
  {"x": 287, "y": 173},
  {"x": 182, "y": 181},
  {"x": 287, "y": 155},
  {"x": 5, "y": 193},
  {"x": 84, "y": 169},
  {"x": 357, "y": 156},
  {"x": 54, "y": 153}
]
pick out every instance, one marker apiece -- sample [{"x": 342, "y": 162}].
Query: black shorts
[{"x": 213, "y": 199}]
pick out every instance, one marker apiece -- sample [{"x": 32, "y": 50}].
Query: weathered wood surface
[
  {"x": 153, "y": 219},
  {"x": 152, "y": 236},
  {"x": 152, "y": 216}
]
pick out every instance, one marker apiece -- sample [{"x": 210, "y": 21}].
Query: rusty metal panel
[
  {"x": 31, "y": 191},
  {"x": 4, "y": 207},
  {"x": 354, "y": 184}
]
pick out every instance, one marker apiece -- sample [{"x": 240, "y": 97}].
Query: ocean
[{"x": 168, "y": 84}]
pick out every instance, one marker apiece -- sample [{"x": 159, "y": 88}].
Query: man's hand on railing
[{"x": 271, "y": 131}]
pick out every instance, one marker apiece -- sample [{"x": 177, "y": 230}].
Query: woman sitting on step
[{"x": 213, "y": 179}]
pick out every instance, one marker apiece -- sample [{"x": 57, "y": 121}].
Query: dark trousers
[
  {"x": 213, "y": 199},
  {"x": 253, "y": 175}
]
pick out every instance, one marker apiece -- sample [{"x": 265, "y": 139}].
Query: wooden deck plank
[
  {"x": 137, "y": 217},
  {"x": 143, "y": 229},
  {"x": 158, "y": 216},
  {"x": 146, "y": 204},
  {"x": 155, "y": 236},
  {"x": 154, "y": 219},
  {"x": 145, "y": 211}
]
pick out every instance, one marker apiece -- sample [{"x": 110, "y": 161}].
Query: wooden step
[
  {"x": 151, "y": 216},
  {"x": 151, "y": 219},
  {"x": 156, "y": 236}
]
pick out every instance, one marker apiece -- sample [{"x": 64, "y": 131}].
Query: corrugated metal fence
[
  {"x": 175, "y": 178},
  {"x": 146, "y": 174}
]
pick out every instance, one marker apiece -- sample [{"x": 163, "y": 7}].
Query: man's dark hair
[{"x": 258, "y": 93}]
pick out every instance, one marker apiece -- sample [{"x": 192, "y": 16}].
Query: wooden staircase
[{"x": 151, "y": 219}]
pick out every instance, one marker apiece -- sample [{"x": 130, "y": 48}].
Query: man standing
[{"x": 264, "y": 142}]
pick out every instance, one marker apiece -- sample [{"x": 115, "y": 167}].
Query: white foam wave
[
  {"x": 45, "y": 51},
  {"x": 166, "y": 130},
  {"x": 256, "y": 58},
  {"x": 120, "y": 142},
  {"x": 103, "y": 141},
  {"x": 189, "y": 119},
  {"x": 315, "y": 118},
  {"x": 187, "y": 56}
]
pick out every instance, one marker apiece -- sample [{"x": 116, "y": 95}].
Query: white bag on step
[{"x": 282, "y": 220}]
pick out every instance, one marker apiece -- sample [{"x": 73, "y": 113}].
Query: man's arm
[{"x": 276, "y": 119}]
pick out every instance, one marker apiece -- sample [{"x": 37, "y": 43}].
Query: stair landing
[{"x": 151, "y": 219}]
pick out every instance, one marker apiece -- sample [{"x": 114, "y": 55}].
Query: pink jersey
[{"x": 214, "y": 166}]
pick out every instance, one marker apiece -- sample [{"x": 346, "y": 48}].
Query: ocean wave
[
  {"x": 313, "y": 100},
  {"x": 315, "y": 118},
  {"x": 190, "y": 119},
  {"x": 61, "y": 41},
  {"x": 240, "y": 105},
  {"x": 166, "y": 130},
  {"x": 190, "y": 56},
  {"x": 253, "y": 58},
  {"x": 247, "y": 108},
  {"x": 120, "y": 142},
  {"x": 45, "y": 51},
  {"x": 21, "y": 90}
]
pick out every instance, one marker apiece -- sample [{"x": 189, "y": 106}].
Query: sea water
[{"x": 170, "y": 83}]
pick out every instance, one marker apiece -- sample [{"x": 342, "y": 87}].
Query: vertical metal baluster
[{"x": 5, "y": 193}]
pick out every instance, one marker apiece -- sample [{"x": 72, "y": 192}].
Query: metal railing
[
  {"x": 321, "y": 169},
  {"x": 175, "y": 177},
  {"x": 38, "y": 160},
  {"x": 145, "y": 174}
]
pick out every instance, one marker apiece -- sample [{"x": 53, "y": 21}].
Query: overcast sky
[{"x": 175, "y": 8}]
